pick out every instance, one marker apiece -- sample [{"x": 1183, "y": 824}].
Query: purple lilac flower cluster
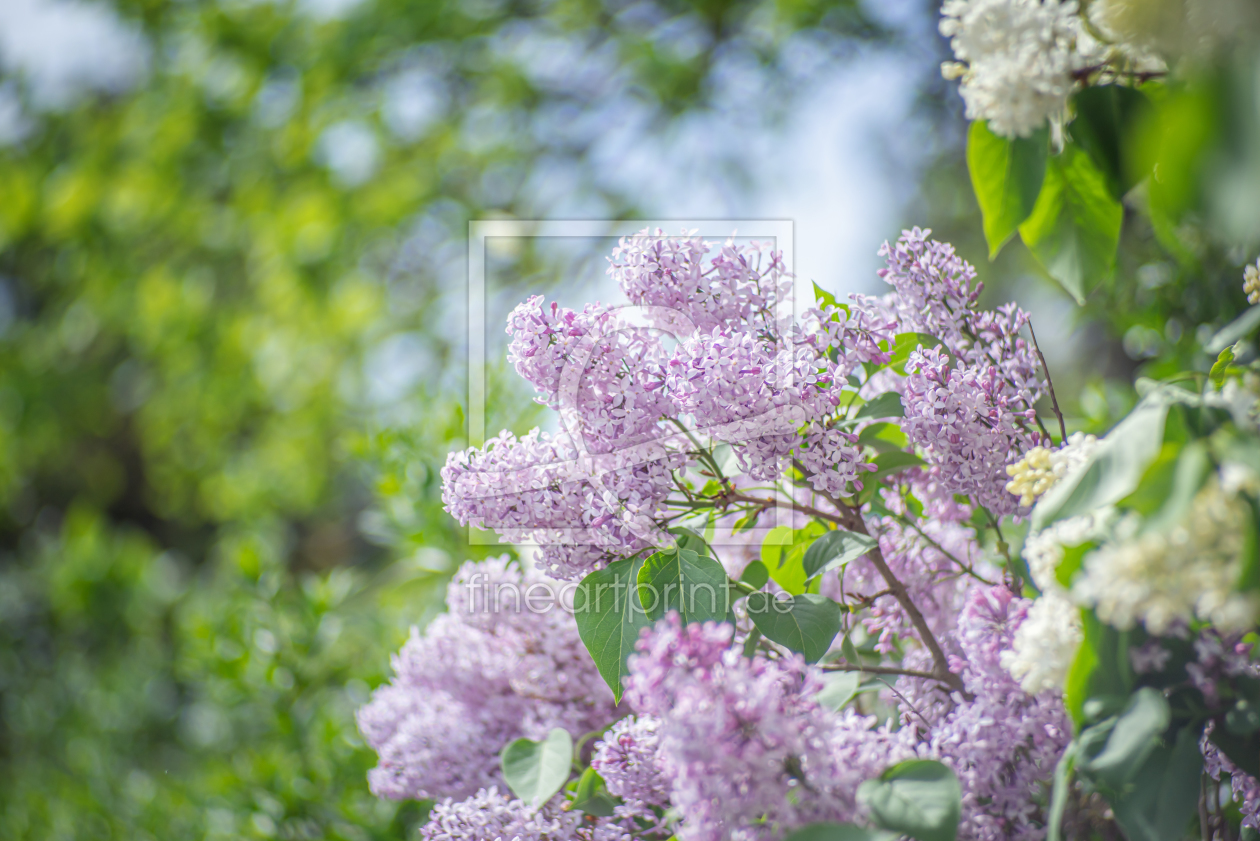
[
  {"x": 482, "y": 674},
  {"x": 711, "y": 742},
  {"x": 969, "y": 402},
  {"x": 743, "y": 750},
  {"x": 742, "y": 374}
]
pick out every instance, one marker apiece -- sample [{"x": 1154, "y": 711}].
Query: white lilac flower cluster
[
  {"x": 1018, "y": 59},
  {"x": 1161, "y": 576}
]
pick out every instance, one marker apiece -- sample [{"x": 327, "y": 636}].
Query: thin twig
[
  {"x": 938, "y": 547},
  {"x": 1054, "y": 401},
  {"x": 878, "y": 670}
]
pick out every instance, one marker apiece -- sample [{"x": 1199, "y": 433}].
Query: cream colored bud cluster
[
  {"x": 1032, "y": 475},
  {"x": 1041, "y": 467},
  {"x": 1251, "y": 283}
]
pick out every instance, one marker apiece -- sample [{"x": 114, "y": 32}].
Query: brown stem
[
  {"x": 1054, "y": 402},
  {"x": 855, "y": 523},
  {"x": 879, "y": 670}
]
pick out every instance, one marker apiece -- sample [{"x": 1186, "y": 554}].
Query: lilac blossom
[
  {"x": 628, "y": 759},
  {"x": 486, "y": 672},
  {"x": 739, "y": 285},
  {"x": 966, "y": 426},
  {"x": 741, "y": 740}
]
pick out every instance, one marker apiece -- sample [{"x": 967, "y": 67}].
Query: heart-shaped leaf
[
  {"x": 838, "y": 689},
  {"x": 920, "y": 798},
  {"x": 807, "y": 623},
  {"x": 535, "y": 771}
]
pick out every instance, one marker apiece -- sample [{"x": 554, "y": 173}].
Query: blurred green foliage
[{"x": 196, "y": 587}]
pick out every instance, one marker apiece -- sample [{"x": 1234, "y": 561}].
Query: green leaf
[
  {"x": 838, "y": 832},
  {"x": 1242, "y": 750},
  {"x": 1163, "y": 796},
  {"x": 1239, "y": 328},
  {"x": 826, "y": 299},
  {"x": 783, "y": 553},
  {"x": 1221, "y": 366},
  {"x": 1101, "y": 667},
  {"x": 920, "y": 798},
  {"x": 1135, "y": 735},
  {"x": 693, "y": 585},
  {"x": 688, "y": 539},
  {"x": 535, "y": 771},
  {"x": 1074, "y": 229},
  {"x": 1007, "y": 176},
  {"x": 591, "y": 796},
  {"x": 892, "y": 462},
  {"x": 609, "y": 618},
  {"x": 1059, "y": 793},
  {"x": 835, "y": 548},
  {"x": 838, "y": 689},
  {"x": 886, "y": 405},
  {"x": 1073, "y": 558},
  {"x": 1105, "y": 117},
  {"x": 905, "y": 344},
  {"x": 755, "y": 575},
  {"x": 1116, "y": 467},
  {"x": 883, "y": 436},
  {"x": 849, "y": 651},
  {"x": 807, "y": 623}
]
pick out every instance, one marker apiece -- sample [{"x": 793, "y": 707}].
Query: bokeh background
[{"x": 232, "y": 278}]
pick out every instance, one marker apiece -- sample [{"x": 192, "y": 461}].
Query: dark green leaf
[
  {"x": 1243, "y": 719},
  {"x": 834, "y": 549},
  {"x": 1074, "y": 229},
  {"x": 838, "y": 689},
  {"x": 1243, "y": 751},
  {"x": 1006, "y": 176},
  {"x": 535, "y": 771},
  {"x": 886, "y": 405},
  {"x": 755, "y": 575},
  {"x": 807, "y": 623},
  {"x": 1164, "y": 795},
  {"x": 1101, "y": 667},
  {"x": 591, "y": 796},
  {"x": 1105, "y": 117},
  {"x": 609, "y": 618},
  {"x": 838, "y": 832},
  {"x": 1135, "y": 735},
  {"x": 692, "y": 585},
  {"x": 920, "y": 798}
]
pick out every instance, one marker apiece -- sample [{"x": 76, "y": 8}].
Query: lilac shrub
[{"x": 881, "y": 626}]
